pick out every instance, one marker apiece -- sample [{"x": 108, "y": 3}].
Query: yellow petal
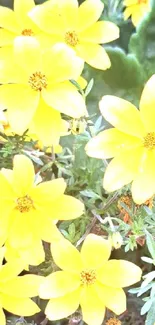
[
  {"x": 43, "y": 14},
  {"x": 111, "y": 142},
  {"x": 58, "y": 284},
  {"x": 8, "y": 20},
  {"x": 2, "y": 317},
  {"x": 20, "y": 226},
  {"x": 89, "y": 12},
  {"x": 28, "y": 54},
  {"x": 119, "y": 273},
  {"x": 21, "y": 9},
  {"x": 122, "y": 114},
  {"x": 21, "y": 104},
  {"x": 9, "y": 71},
  {"x": 91, "y": 245},
  {"x": 31, "y": 255},
  {"x": 147, "y": 105},
  {"x": 25, "y": 286},
  {"x": 143, "y": 186},
  {"x": 66, "y": 207},
  {"x": 66, "y": 256},
  {"x": 65, "y": 98},
  {"x": 47, "y": 229},
  {"x": 93, "y": 309},
  {"x": 100, "y": 32},
  {"x": 69, "y": 12},
  {"x": 48, "y": 191},
  {"x": 129, "y": 2},
  {"x": 128, "y": 12},
  {"x": 11, "y": 269},
  {"x": 94, "y": 54},
  {"x": 46, "y": 124},
  {"x": 23, "y": 182},
  {"x": 122, "y": 169},
  {"x": 139, "y": 13},
  {"x": 113, "y": 298},
  {"x": 19, "y": 306},
  {"x": 6, "y": 37},
  {"x": 58, "y": 308},
  {"x": 66, "y": 64},
  {"x": 2, "y": 253}
]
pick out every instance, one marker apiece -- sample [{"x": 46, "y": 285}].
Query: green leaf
[
  {"x": 150, "y": 244},
  {"x": 124, "y": 79},
  {"x": 150, "y": 319},
  {"x": 146, "y": 307},
  {"x": 142, "y": 44},
  {"x": 71, "y": 230}
]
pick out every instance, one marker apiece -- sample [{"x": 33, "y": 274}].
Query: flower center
[
  {"x": 24, "y": 204},
  {"x": 71, "y": 38},
  {"x": 142, "y": 1},
  {"x": 88, "y": 277},
  {"x": 38, "y": 81},
  {"x": 27, "y": 32},
  {"x": 149, "y": 141}
]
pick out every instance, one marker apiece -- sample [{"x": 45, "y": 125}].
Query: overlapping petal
[
  {"x": 48, "y": 191},
  {"x": 58, "y": 308},
  {"x": 66, "y": 207},
  {"x": 66, "y": 64},
  {"x": 94, "y": 54},
  {"x": 122, "y": 169},
  {"x": 46, "y": 115},
  {"x": 23, "y": 182},
  {"x": 8, "y": 20},
  {"x": 65, "y": 98},
  {"x": 58, "y": 284},
  {"x": 19, "y": 306},
  {"x": 42, "y": 15},
  {"x": 91, "y": 245},
  {"x": 93, "y": 309},
  {"x": 19, "y": 228},
  {"x": 22, "y": 103},
  {"x": 119, "y": 273},
  {"x": 113, "y": 298},
  {"x": 101, "y": 32},
  {"x": 123, "y": 115},
  {"x": 111, "y": 142},
  {"x": 66, "y": 256},
  {"x": 22, "y": 286},
  {"x": 89, "y": 12},
  {"x": 143, "y": 186}
]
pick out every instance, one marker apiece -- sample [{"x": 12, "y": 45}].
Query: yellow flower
[
  {"x": 16, "y": 22},
  {"x": 15, "y": 291},
  {"x": 39, "y": 88},
  {"x": 131, "y": 142},
  {"x": 28, "y": 212},
  {"x": 87, "y": 279},
  {"x": 137, "y": 9},
  {"x": 77, "y": 26}
]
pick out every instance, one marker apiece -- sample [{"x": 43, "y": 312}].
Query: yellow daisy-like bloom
[
  {"x": 15, "y": 291},
  {"x": 28, "y": 212},
  {"x": 87, "y": 279},
  {"x": 16, "y": 22},
  {"x": 131, "y": 142},
  {"x": 39, "y": 88},
  {"x": 77, "y": 26},
  {"x": 137, "y": 9}
]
